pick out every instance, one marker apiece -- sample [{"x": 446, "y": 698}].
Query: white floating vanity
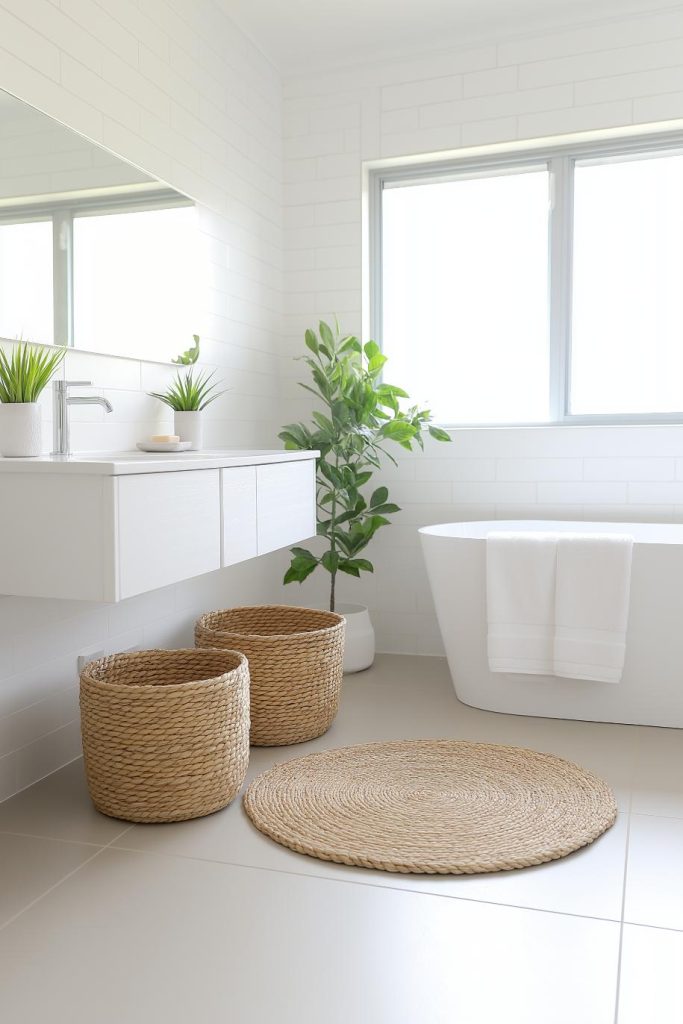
[{"x": 107, "y": 527}]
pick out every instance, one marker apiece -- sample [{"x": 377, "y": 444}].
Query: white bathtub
[{"x": 651, "y": 689}]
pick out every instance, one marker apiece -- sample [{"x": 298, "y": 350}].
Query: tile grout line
[
  {"x": 623, "y": 908},
  {"x": 61, "y": 881},
  {"x": 370, "y": 885}
]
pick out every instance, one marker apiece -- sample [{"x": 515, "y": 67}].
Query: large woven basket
[
  {"x": 165, "y": 733},
  {"x": 295, "y": 667}
]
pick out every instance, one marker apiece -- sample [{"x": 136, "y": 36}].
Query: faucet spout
[
  {"x": 60, "y": 413},
  {"x": 91, "y": 400}
]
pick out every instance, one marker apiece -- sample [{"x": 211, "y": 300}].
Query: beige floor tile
[
  {"x": 59, "y": 807},
  {"x": 654, "y": 882},
  {"x": 588, "y": 882},
  {"x": 140, "y": 938},
  {"x": 30, "y": 866},
  {"x": 651, "y": 984},
  {"x": 658, "y": 778}
]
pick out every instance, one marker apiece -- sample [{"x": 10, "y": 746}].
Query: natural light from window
[
  {"x": 26, "y": 281},
  {"x": 136, "y": 277},
  {"x": 627, "y": 323},
  {"x": 464, "y": 308}
]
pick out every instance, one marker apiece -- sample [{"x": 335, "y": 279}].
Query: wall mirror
[{"x": 94, "y": 253}]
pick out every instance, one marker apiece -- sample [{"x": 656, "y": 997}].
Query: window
[
  {"x": 118, "y": 275},
  {"x": 538, "y": 287},
  {"x": 26, "y": 280}
]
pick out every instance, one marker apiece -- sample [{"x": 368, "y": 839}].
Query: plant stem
[{"x": 333, "y": 536}]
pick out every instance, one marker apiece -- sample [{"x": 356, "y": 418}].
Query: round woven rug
[{"x": 431, "y": 806}]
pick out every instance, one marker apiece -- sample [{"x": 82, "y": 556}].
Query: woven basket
[
  {"x": 295, "y": 667},
  {"x": 165, "y": 733}
]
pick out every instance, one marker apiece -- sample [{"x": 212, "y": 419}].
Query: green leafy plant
[
  {"x": 190, "y": 355},
  {"x": 26, "y": 371},
  {"x": 362, "y": 414},
  {"x": 190, "y": 394}
]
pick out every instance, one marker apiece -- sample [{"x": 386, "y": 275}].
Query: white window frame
[
  {"x": 62, "y": 212},
  {"x": 559, "y": 158}
]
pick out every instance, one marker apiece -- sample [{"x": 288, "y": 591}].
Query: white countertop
[{"x": 126, "y": 463}]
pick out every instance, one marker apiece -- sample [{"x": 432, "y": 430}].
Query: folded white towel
[
  {"x": 520, "y": 594},
  {"x": 591, "y": 605}
]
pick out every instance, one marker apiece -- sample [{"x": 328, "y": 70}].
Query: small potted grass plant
[
  {"x": 25, "y": 372},
  {"x": 188, "y": 395}
]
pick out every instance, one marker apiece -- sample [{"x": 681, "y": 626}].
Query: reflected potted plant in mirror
[
  {"x": 188, "y": 395},
  {"x": 25, "y": 372},
  {"x": 359, "y": 416}
]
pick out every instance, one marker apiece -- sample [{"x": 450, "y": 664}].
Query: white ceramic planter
[
  {"x": 20, "y": 430},
  {"x": 189, "y": 427},
  {"x": 359, "y": 645}
]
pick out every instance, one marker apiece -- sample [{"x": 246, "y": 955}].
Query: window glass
[
  {"x": 26, "y": 281},
  {"x": 627, "y": 321},
  {"x": 465, "y": 295},
  {"x": 135, "y": 277}
]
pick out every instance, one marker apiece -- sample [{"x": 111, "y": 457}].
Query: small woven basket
[
  {"x": 295, "y": 667},
  {"x": 165, "y": 733}
]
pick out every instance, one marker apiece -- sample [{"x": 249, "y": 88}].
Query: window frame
[
  {"x": 560, "y": 158},
  {"x": 62, "y": 211}
]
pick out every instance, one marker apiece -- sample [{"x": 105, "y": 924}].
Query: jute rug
[{"x": 431, "y": 806}]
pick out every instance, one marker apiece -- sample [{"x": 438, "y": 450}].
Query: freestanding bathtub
[{"x": 651, "y": 688}]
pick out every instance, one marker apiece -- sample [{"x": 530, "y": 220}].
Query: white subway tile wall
[
  {"x": 622, "y": 72},
  {"x": 175, "y": 88},
  {"x": 178, "y": 91}
]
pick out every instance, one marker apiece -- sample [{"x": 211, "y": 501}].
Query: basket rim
[
  {"x": 339, "y": 620},
  {"x": 232, "y": 676}
]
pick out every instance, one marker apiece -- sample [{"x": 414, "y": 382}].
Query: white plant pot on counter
[
  {"x": 20, "y": 429},
  {"x": 359, "y": 644},
  {"x": 189, "y": 427}
]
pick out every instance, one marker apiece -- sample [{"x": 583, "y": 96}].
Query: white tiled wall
[
  {"x": 622, "y": 72},
  {"x": 173, "y": 87}
]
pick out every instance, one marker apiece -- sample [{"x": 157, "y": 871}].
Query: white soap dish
[{"x": 164, "y": 446}]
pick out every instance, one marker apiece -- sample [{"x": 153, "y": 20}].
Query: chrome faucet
[{"x": 60, "y": 414}]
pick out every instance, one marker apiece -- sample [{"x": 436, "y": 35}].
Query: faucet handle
[{"x": 62, "y": 385}]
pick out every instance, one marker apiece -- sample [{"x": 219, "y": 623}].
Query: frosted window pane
[
  {"x": 26, "y": 281},
  {"x": 135, "y": 282},
  {"x": 627, "y": 334},
  {"x": 465, "y": 305}
]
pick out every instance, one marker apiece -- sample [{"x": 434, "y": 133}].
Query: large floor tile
[
  {"x": 59, "y": 807},
  {"x": 651, "y": 980},
  {"x": 29, "y": 867},
  {"x": 654, "y": 882},
  {"x": 588, "y": 882},
  {"x": 141, "y": 938},
  {"x": 658, "y": 776}
]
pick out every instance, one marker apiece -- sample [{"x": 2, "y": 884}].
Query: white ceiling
[{"x": 309, "y": 35}]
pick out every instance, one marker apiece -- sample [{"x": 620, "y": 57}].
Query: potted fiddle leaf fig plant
[
  {"x": 24, "y": 374},
  {"x": 188, "y": 395},
  {"x": 358, "y": 416}
]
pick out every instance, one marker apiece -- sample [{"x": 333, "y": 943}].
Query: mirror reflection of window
[
  {"x": 135, "y": 278},
  {"x": 26, "y": 280}
]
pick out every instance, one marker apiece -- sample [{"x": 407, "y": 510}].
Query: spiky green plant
[
  {"x": 190, "y": 355},
  {"x": 190, "y": 394},
  {"x": 362, "y": 414},
  {"x": 26, "y": 371}
]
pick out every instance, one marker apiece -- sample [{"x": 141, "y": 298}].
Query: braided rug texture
[
  {"x": 431, "y": 806},
  {"x": 296, "y": 660},
  {"x": 165, "y": 733}
]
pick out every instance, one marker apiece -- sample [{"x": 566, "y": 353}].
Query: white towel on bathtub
[
  {"x": 592, "y": 593},
  {"x": 520, "y": 596}
]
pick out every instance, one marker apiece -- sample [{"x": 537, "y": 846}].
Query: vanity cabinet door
[
  {"x": 286, "y": 504},
  {"x": 238, "y": 494},
  {"x": 168, "y": 527}
]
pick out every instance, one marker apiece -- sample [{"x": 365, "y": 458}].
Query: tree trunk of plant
[{"x": 333, "y": 581}]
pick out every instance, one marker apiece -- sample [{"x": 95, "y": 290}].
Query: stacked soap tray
[{"x": 164, "y": 443}]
